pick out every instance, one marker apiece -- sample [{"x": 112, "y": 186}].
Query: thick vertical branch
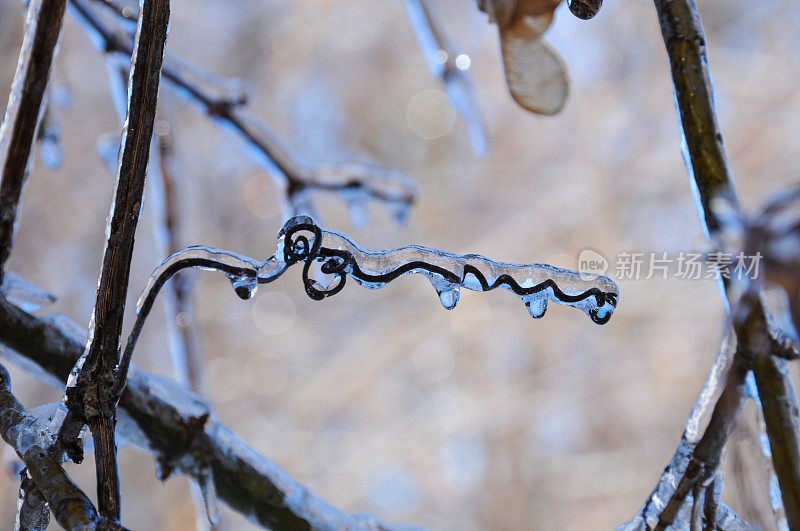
[
  {"x": 91, "y": 399},
  {"x": 18, "y": 132},
  {"x": 705, "y": 155},
  {"x": 685, "y": 42}
]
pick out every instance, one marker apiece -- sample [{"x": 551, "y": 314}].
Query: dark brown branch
[
  {"x": 177, "y": 428},
  {"x": 685, "y": 43},
  {"x": 779, "y": 406},
  {"x": 91, "y": 399},
  {"x": 24, "y": 107},
  {"x": 70, "y": 506}
]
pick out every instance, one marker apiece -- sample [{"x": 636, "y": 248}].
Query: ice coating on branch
[
  {"x": 301, "y": 240},
  {"x": 27, "y": 296},
  {"x": 205, "y": 480},
  {"x": 358, "y": 182},
  {"x": 451, "y": 68},
  {"x": 534, "y": 284}
]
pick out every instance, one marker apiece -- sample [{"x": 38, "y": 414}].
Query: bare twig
[
  {"x": 70, "y": 506},
  {"x": 685, "y": 43},
  {"x": 295, "y": 179},
  {"x": 18, "y": 131},
  {"x": 90, "y": 399},
  {"x": 176, "y": 427}
]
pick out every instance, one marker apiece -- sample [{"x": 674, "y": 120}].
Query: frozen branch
[
  {"x": 89, "y": 397},
  {"x": 699, "y": 452},
  {"x": 707, "y": 454},
  {"x": 302, "y": 241},
  {"x": 354, "y": 182},
  {"x": 705, "y": 159},
  {"x": 170, "y": 422},
  {"x": 25, "y": 103},
  {"x": 70, "y": 506},
  {"x": 450, "y": 67}
]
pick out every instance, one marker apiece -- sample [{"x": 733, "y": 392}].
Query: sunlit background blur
[{"x": 477, "y": 418}]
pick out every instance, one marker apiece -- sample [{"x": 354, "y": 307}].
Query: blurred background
[{"x": 383, "y": 401}]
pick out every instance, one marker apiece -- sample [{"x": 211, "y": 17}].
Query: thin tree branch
[
  {"x": 697, "y": 455},
  {"x": 90, "y": 400},
  {"x": 44, "y": 19},
  {"x": 174, "y": 425},
  {"x": 450, "y": 67},
  {"x": 707, "y": 454},
  {"x": 685, "y": 43},
  {"x": 70, "y": 506},
  {"x": 354, "y": 181},
  {"x": 779, "y": 406}
]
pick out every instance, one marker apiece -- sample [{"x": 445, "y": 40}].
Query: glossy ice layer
[{"x": 534, "y": 284}]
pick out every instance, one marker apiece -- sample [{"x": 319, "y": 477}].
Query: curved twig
[{"x": 301, "y": 240}]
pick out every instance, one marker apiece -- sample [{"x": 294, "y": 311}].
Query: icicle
[
  {"x": 449, "y": 298},
  {"x": 49, "y": 137},
  {"x": 244, "y": 285},
  {"x": 537, "y": 305},
  {"x": 205, "y": 479},
  {"x": 27, "y": 296},
  {"x": 399, "y": 212}
]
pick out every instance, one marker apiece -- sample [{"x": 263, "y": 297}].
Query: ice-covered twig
[
  {"x": 450, "y": 67},
  {"x": 224, "y": 101},
  {"x": 535, "y": 74},
  {"x": 89, "y": 396},
  {"x": 44, "y": 20},
  {"x": 699, "y": 450},
  {"x": 168, "y": 421},
  {"x": 302, "y": 241},
  {"x": 186, "y": 357},
  {"x": 21, "y": 292},
  {"x": 684, "y": 40},
  {"x": 707, "y": 454},
  {"x": 70, "y": 506}
]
